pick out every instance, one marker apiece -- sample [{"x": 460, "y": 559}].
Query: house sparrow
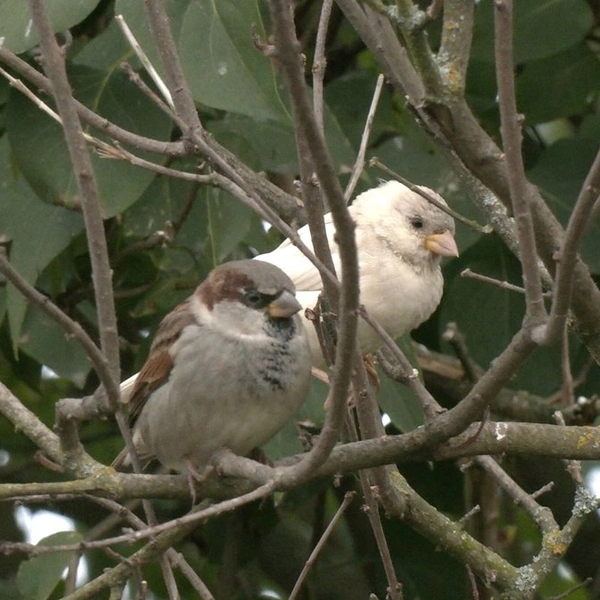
[
  {"x": 227, "y": 368},
  {"x": 401, "y": 238}
]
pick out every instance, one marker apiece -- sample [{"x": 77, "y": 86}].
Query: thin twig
[
  {"x": 376, "y": 163},
  {"x": 543, "y": 490},
  {"x": 585, "y": 583},
  {"x": 289, "y": 57},
  {"x": 375, "y": 482},
  {"x": 160, "y": 84},
  {"x": 134, "y": 77},
  {"x": 21, "y": 87},
  {"x": 456, "y": 339},
  {"x": 71, "y": 327},
  {"x": 565, "y": 270},
  {"x": 542, "y": 515},
  {"x": 54, "y": 66},
  {"x": 364, "y": 140},
  {"x": 120, "y": 512},
  {"x": 348, "y": 497},
  {"x": 154, "y": 530},
  {"x": 473, "y": 582},
  {"x": 567, "y": 385},
  {"x": 410, "y": 375},
  {"x": 172, "y": 68},
  {"x": 505, "y": 285},
  {"x": 320, "y": 64},
  {"x": 510, "y": 128}
]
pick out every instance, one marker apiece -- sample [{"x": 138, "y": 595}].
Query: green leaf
[
  {"x": 223, "y": 67},
  {"x": 560, "y": 172},
  {"x": 39, "y": 149},
  {"x": 263, "y": 145},
  {"x": 398, "y": 401},
  {"x": 541, "y": 28},
  {"x": 217, "y": 227},
  {"x": 568, "y": 83},
  {"x": 38, "y": 576},
  {"x": 162, "y": 202},
  {"x": 39, "y": 232},
  {"x": 17, "y": 32},
  {"x": 489, "y": 316},
  {"x": 270, "y": 145},
  {"x": 107, "y": 51},
  {"x": 43, "y": 339},
  {"x": 470, "y": 303},
  {"x": 228, "y": 221},
  {"x": 590, "y": 127},
  {"x": 352, "y": 115}
]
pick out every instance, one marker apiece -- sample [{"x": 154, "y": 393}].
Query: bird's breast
[{"x": 399, "y": 298}]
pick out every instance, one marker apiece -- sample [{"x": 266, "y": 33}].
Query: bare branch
[
  {"x": 510, "y": 127},
  {"x": 289, "y": 57},
  {"x": 71, "y": 327},
  {"x": 320, "y": 63},
  {"x": 27, "y": 422},
  {"x": 505, "y": 285},
  {"x": 348, "y": 497},
  {"x": 565, "y": 271},
  {"x": 456, "y": 339},
  {"x": 92, "y": 210},
  {"x": 144, "y": 60},
  {"x": 364, "y": 140},
  {"x": 540, "y": 514}
]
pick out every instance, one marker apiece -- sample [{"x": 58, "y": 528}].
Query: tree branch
[
  {"x": 565, "y": 270},
  {"x": 510, "y": 127},
  {"x": 289, "y": 57}
]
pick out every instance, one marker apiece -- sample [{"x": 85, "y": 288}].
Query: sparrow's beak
[
  {"x": 442, "y": 244},
  {"x": 284, "y": 306}
]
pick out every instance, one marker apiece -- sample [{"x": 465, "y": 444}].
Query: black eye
[
  {"x": 255, "y": 299},
  {"x": 417, "y": 222}
]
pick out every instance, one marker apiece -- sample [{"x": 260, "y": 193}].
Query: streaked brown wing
[{"x": 158, "y": 366}]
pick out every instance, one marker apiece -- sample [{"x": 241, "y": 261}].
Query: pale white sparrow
[
  {"x": 401, "y": 239},
  {"x": 227, "y": 368}
]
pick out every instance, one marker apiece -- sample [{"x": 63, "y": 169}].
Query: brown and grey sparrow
[{"x": 227, "y": 368}]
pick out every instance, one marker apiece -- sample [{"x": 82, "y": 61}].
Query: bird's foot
[
  {"x": 372, "y": 371},
  {"x": 195, "y": 476}
]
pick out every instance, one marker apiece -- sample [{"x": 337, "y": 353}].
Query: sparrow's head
[
  {"x": 242, "y": 295},
  {"x": 414, "y": 227}
]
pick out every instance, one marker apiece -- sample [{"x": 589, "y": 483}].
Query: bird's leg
[
  {"x": 194, "y": 476},
  {"x": 372, "y": 371}
]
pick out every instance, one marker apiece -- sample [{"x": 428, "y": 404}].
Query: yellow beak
[
  {"x": 442, "y": 244},
  {"x": 284, "y": 306}
]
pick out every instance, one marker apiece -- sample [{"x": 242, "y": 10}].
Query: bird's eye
[
  {"x": 417, "y": 222},
  {"x": 255, "y": 299}
]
